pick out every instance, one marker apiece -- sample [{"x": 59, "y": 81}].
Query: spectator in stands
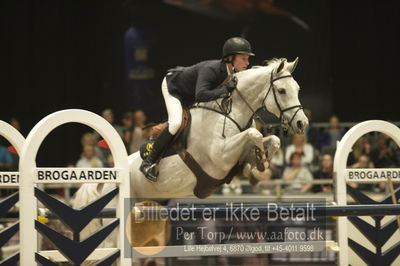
[
  {"x": 127, "y": 128},
  {"x": 15, "y": 157},
  {"x": 325, "y": 171},
  {"x": 108, "y": 115},
  {"x": 311, "y": 131},
  {"x": 138, "y": 138},
  {"x": 296, "y": 172},
  {"x": 361, "y": 147},
  {"x": 300, "y": 145},
  {"x": 262, "y": 187},
  {"x": 15, "y": 123},
  {"x": 383, "y": 156},
  {"x": 233, "y": 188},
  {"x": 110, "y": 161},
  {"x": 363, "y": 162},
  {"x": 331, "y": 135},
  {"x": 6, "y": 162},
  {"x": 89, "y": 139},
  {"x": 89, "y": 158}
]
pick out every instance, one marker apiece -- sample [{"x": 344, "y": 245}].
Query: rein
[{"x": 224, "y": 114}]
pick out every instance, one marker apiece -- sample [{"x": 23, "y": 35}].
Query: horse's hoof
[
  {"x": 150, "y": 171},
  {"x": 260, "y": 167}
]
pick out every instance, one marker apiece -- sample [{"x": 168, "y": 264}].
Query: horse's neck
[
  {"x": 251, "y": 88},
  {"x": 243, "y": 109},
  {"x": 240, "y": 112}
]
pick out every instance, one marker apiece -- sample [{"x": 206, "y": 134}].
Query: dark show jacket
[{"x": 198, "y": 83}]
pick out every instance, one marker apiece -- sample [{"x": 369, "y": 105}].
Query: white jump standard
[{"x": 31, "y": 175}]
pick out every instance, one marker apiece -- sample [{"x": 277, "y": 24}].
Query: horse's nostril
[{"x": 300, "y": 124}]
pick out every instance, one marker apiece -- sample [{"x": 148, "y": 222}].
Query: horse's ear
[
  {"x": 292, "y": 65},
  {"x": 281, "y": 66}
]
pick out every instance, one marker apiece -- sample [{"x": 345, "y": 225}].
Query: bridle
[{"x": 284, "y": 124}]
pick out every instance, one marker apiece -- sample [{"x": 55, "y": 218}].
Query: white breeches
[{"x": 174, "y": 109}]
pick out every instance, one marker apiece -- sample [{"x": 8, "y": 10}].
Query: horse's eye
[{"x": 282, "y": 91}]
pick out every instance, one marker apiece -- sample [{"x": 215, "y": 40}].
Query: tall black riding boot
[{"x": 149, "y": 165}]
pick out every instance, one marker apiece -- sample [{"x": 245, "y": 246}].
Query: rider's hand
[{"x": 231, "y": 83}]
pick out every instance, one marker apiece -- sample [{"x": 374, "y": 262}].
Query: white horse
[
  {"x": 271, "y": 86},
  {"x": 217, "y": 142}
]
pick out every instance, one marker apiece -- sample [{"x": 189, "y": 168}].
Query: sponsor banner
[
  {"x": 372, "y": 175},
  {"x": 77, "y": 175},
  {"x": 9, "y": 179}
]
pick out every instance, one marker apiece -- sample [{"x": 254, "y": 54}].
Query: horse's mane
[
  {"x": 270, "y": 63},
  {"x": 273, "y": 61}
]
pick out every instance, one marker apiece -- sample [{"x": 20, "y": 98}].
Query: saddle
[
  {"x": 205, "y": 184},
  {"x": 180, "y": 139}
]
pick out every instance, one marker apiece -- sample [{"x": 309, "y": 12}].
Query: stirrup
[{"x": 150, "y": 171}]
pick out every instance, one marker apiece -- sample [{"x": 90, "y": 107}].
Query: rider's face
[{"x": 241, "y": 62}]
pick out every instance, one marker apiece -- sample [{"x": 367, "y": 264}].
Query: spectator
[
  {"x": 262, "y": 187},
  {"x": 331, "y": 135},
  {"x": 101, "y": 153},
  {"x": 276, "y": 164},
  {"x": 393, "y": 145},
  {"x": 138, "y": 138},
  {"x": 6, "y": 161},
  {"x": 363, "y": 162},
  {"x": 233, "y": 188},
  {"x": 383, "y": 156},
  {"x": 296, "y": 172},
  {"x": 361, "y": 147},
  {"x": 15, "y": 157},
  {"x": 127, "y": 128},
  {"x": 300, "y": 145},
  {"x": 311, "y": 132},
  {"x": 110, "y": 161},
  {"x": 325, "y": 171},
  {"x": 15, "y": 123},
  {"x": 108, "y": 115},
  {"x": 89, "y": 158}
]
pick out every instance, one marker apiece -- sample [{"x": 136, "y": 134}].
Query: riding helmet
[{"x": 236, "y": 45}]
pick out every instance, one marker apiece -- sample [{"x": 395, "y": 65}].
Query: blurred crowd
[{"x": 301, "y": 158}]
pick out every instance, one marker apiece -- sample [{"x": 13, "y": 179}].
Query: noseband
[{"x": 281, "y": 111}]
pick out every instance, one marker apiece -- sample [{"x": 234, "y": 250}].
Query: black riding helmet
[{"x": 236, "y": 45}]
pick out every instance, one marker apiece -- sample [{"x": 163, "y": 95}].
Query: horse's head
[{"x": 281, "y": 96}]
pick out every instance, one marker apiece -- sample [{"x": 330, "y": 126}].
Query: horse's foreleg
[
  {"x": 237, "y": 144},
  {"x": 271, "y": 144}
]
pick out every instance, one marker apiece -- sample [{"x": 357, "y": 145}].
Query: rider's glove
[{"x": 231, "y": 83}]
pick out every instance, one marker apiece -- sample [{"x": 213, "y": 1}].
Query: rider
[{"x": 201, "y": 82}]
